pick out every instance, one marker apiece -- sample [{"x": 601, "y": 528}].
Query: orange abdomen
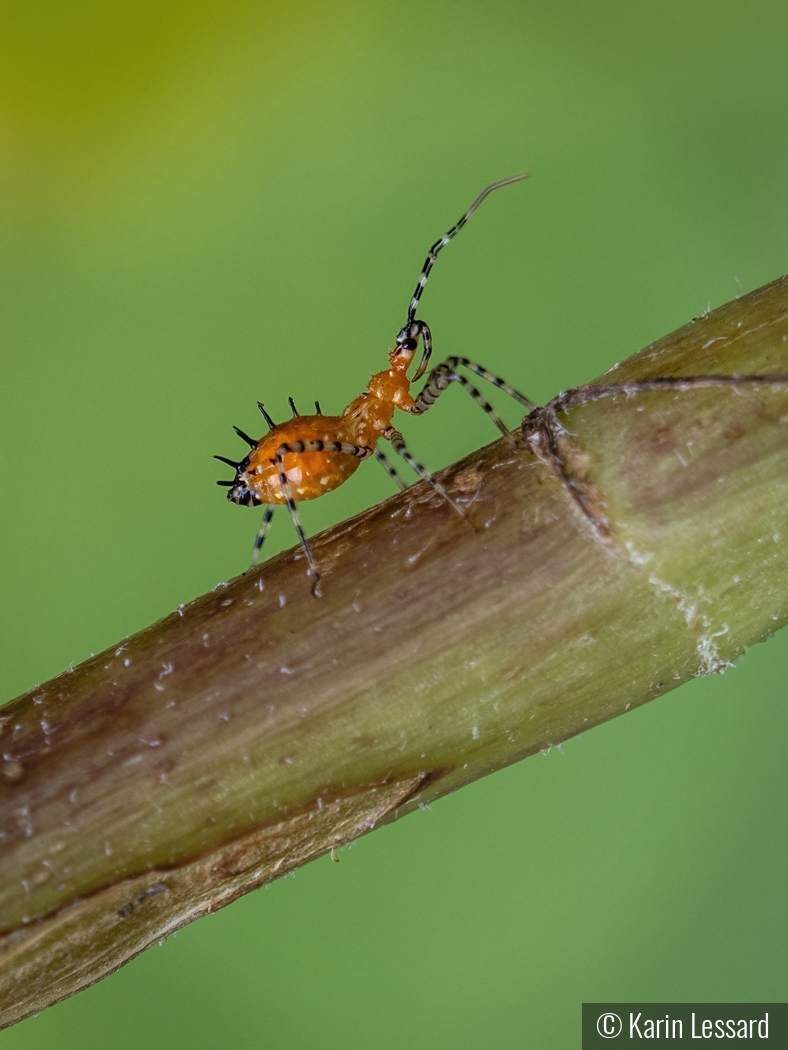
[{"x": 310, "y": 473}]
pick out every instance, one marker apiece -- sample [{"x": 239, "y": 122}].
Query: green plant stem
[{"x": 643, "y": 544}]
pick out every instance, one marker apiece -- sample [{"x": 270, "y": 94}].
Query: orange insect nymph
[
  {"x": 310, "y": 462},
  {"x": 309, "y": 455}
]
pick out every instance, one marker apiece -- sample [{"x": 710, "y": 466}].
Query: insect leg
[
  {"x": 436, "y": 383},
  {"x": 390, "y": 470},
  {"x": 287, "y": 492},
  {"x": 261, "y": 533},
  {"x": 362, "y": 451},
  {"x": 439, "y": 380},
  {"x": 399, "y": 446},
  {"x": 582, "y": 395},
  {"x": 478, "y": 370}
]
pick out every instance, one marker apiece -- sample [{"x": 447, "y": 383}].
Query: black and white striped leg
[
  {"x": 262, "y": 532},
  {"x": 439, "y": 380},
  {"x": 478, "y": 370},
  {"x": 402, "y": 485},
  {"x": 399, "y": 446},
  {"x": 445, "y": 373},
  {"x": 362, "y": 451},
  {"x": 287, "y": 492}
]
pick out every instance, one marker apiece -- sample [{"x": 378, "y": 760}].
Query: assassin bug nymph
[{"x": 306, "y": 456}]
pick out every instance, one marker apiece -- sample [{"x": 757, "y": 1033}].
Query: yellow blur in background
[{"x": 203, "y": 205}]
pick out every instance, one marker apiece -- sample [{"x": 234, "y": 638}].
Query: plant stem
[{"x": 620, "y": 548}]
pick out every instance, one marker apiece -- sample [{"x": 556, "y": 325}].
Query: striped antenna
[{"x": 433, "y": 252}]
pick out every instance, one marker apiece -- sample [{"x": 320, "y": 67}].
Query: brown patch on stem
[
  {"x": 47, "y": 960},
  {"x": 552, "y": 443},
  {"x": 571, "y": 465}
]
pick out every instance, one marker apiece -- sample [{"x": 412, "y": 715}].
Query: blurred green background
[{"x": 207, "y": 203}]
